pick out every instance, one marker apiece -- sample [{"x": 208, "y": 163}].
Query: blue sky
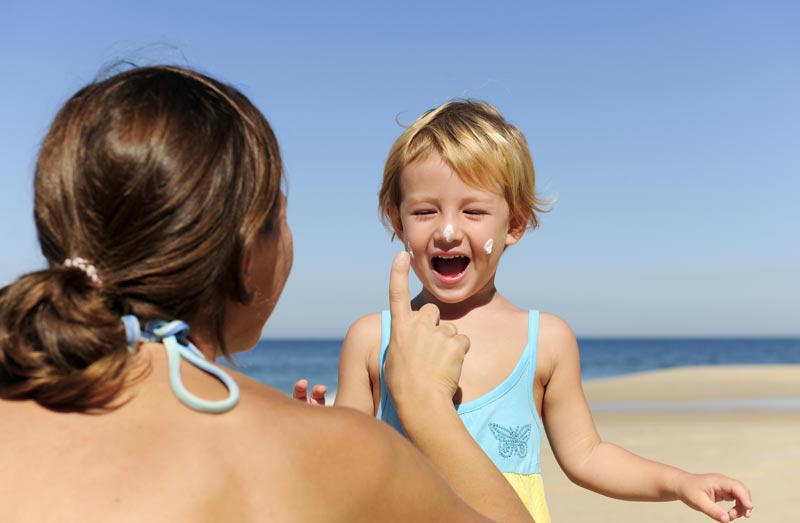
[{"x": 670, "y": 133}]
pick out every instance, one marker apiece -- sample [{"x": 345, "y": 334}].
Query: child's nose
[{"x": 449, "y": 231}]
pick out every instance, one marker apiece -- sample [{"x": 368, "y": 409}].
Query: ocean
[{"x": 280, "y": 363}]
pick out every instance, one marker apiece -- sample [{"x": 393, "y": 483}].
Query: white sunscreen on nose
[
  {"x": 487, "y": 247},
  {"x": 448, "y": 232}
]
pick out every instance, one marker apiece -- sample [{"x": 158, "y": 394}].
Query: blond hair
[{"x": 484, "y": 150}]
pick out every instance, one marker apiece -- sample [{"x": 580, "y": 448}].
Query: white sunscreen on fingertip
[
  {"x": 448, "y": 232},
  {"x": 487, "y": 247}
]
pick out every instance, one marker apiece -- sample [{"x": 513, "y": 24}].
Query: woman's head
[
  {"x": 479, "y": 145},
  {"x": 164, "y": 179}
]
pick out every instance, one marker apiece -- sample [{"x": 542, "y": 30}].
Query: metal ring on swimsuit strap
[{"x": 174, "y": 336}]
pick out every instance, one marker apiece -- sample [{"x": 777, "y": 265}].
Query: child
[{"x": 458, "y": 189}]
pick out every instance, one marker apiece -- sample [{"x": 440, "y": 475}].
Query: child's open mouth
[{"x": 450, "y": 268}]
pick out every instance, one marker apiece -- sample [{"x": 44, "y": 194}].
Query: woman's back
[{"x": 154, "y": 458}]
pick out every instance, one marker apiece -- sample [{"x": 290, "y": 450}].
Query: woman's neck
[{"x": 201, "y": 337}]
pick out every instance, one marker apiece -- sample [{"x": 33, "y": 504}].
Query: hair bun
[{"x": 61, "y": 341}]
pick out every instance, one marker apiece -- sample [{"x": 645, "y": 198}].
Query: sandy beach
[{"x": 743, "y": 421}]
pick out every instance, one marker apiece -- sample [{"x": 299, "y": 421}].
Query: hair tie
[
  {"x": 83, "y": 265},
  {"x": 133, "y": 332}
]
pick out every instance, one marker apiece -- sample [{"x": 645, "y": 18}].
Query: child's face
[{"x": 453, "y": 263}]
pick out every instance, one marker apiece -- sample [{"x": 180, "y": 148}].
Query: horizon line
[{"x": 721, "y": 337}]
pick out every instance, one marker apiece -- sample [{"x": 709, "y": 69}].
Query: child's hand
[
  {"x": 703, "y": 491},
  {"x": 425, "y": 357},
  {"x": 317, "y": 397}
]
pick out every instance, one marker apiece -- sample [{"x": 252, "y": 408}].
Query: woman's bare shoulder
[
  {"x": 292, "y": 428},
  {"x": 266, "y": 411},
  {"x": 297, "y": 453}
]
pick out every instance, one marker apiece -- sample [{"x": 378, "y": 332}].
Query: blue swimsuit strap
[{"x": 174, "y": 336}]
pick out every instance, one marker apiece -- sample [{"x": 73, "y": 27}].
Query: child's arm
[
  {"x": 354, "y": 387},
  {"x": 606, "y": 468}
]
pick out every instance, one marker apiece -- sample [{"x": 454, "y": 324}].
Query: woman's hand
[
  {"x": 425, "y": 356},
  {"x": 422, "y": 370}
]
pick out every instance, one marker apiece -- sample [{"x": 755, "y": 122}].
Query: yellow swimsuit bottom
[{"x": 530, "y": 489}]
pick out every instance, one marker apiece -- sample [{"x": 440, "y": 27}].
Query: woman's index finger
[{"x": 399, "y": 298}]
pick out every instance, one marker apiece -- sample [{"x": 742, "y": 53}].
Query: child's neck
[{"x": 453, "y": 311}]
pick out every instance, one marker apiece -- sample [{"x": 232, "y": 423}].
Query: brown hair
[
  {"x": 161, "y": 177},
  {"x": 484, "y": 150}
]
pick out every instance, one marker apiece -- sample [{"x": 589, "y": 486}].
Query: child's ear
[
  {"x": 515, "y": 231},
  {"x": 397, "y": 225}
]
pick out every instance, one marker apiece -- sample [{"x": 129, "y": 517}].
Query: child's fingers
[
  {"x": 318, "y": 395},
  {"x": 704, "y": 502},
  {"x": 744, "y": 501},
  {"x": 736, "y": 492},
  {"x": 732, "y": 490},
  {"x": 735, "y": 512},
  {"x": 703, "y": 491},
  {"x": 399, "y": 299},
  {"x": 742, "y": 496},
  {"x": 300, "y": 390}
]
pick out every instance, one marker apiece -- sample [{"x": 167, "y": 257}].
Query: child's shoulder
[
  {"x": 557, "y": 345},
  {"x": 554, "y": 328},
  {"x": 366, "y": 326},
  {"x": 364, "y": 333}
]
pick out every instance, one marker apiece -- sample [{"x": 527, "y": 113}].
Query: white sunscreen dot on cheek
[
  {"x": 410, "y": 251},
  {"x": 487, "y": 247},
  {"x": 448, "y": 232}
]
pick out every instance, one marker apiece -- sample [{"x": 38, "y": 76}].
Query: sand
[{"x": 701, "y": 419}]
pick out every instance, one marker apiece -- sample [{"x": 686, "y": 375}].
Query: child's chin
[{"x": 449, "y": 295}]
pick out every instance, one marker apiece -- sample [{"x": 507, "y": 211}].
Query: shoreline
[
  {"x": 755, "y": 442},
  {"x": 704, "y": 383},
  {"x": 777, "y": 404}
]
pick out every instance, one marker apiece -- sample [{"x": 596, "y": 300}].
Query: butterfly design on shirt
[{"x": 511, "y": 439}]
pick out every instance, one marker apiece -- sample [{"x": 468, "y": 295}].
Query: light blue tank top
[{"x": 504, "y": 421}]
